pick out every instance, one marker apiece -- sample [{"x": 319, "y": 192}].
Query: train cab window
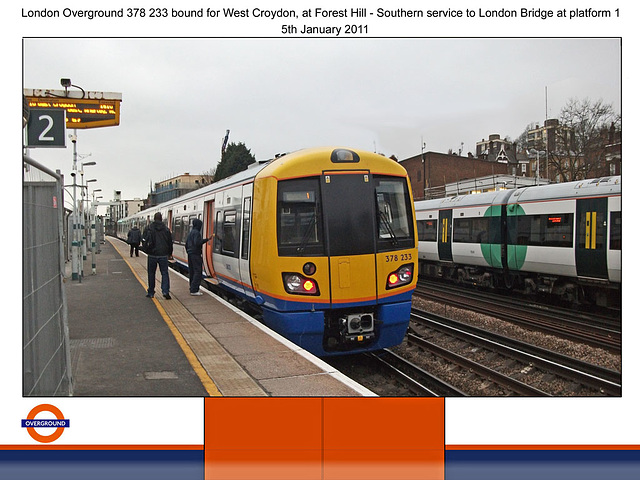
[
  {"x": 427, "y": 230},
  {"x": 394, "y": 213},
  {"x": 616, "y": 231},
  {"x": 299, "y": 218}
]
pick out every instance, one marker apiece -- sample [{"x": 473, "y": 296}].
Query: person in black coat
[
  {"x": 194, "y": 256},
  {"x": 158, "y": 244},
  {"x": 134, "y": 237}
]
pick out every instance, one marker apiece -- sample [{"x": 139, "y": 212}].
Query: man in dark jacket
[
  {"x": 134, "y": 237},
  {"x": 158, "y": 244},
  {"x": 194, "y": 254}
]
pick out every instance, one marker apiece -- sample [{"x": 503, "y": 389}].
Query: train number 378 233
[{"x": 403, "y": 257}]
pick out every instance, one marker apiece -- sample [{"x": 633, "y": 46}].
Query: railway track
[
  {"x": 442, "y": 357},
  {"x": 595, "y": 330},
  {"x": 500, "y": 351},
  {"x": 414, "y": 378}
]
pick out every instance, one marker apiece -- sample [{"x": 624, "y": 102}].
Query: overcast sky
[{"x": 278, "y": 95}]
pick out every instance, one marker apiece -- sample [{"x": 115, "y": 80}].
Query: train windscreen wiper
[
  {"x": 387, "y": 225},
  {"x": 307, "y": 234}
]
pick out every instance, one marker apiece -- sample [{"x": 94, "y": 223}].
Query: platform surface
[{"x": 125, "y": 344}]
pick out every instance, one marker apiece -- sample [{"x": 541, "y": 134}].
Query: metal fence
[{"x": 46, "y": 354}]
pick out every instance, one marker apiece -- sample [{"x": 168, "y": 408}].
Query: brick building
[{"x": 431, "y": 171}]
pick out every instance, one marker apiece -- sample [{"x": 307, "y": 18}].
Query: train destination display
[{"x": 82, "y": 113}]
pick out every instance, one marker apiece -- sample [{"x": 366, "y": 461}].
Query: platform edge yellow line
[{"x": 205, "y": 379}]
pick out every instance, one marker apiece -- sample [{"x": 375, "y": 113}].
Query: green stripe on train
[{"x": 492, "y": 252}]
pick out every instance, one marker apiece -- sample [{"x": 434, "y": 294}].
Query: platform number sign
[{"x": 46, "y": 127}]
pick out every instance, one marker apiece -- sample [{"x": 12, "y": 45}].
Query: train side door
[
  {"x": 209, "y": 225},
  {"x": 445, "y": 229},
  {"x": 591, "y": 237},
  {"x": 245, "y": 239}
]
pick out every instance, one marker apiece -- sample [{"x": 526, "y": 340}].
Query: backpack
[{"x": 148, "y": 242}]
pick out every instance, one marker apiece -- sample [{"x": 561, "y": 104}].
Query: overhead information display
[{"x": 82, "y": 113}]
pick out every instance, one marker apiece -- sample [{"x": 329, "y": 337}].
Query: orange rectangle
[
  {"x": 384, "y": 423},
  {"x": 383, "y": 465},
  {"x": 266, "y": 464},
  {"x": 263, "y": 423},
  {"x": 324, "y": 438}
]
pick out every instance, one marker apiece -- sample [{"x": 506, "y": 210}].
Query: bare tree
[
  {"x": 577, "y": 150},
  {"x": 207, "y": 176}
]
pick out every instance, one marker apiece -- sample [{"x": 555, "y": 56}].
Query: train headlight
[
  {"x": 359, "y": 323},
  {"x": 299, "y": 285},
  {"x": 400, "y": 277},
  {"x": 354, "y": 324},
  {"x": 293, "y": 282}
]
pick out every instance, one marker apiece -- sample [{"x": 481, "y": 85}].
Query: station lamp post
[
  {"x": 85, "y": 218},
  {"x": 83, "y": 226}
]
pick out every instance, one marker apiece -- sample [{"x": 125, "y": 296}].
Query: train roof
[
  {"x": 578, "y": 189},
  {"x": 583, "y": 188},
  {"x": 287, "y": 166},
  {"x": 487, "y": 198},
  {"x": 239, "y": 178},
  {"x": 326, "y": 159}
]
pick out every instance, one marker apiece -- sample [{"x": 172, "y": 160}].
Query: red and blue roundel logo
[{"x": 59, "y": 423}]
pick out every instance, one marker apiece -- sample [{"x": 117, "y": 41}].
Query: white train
[{"x": 563, "y": 239}]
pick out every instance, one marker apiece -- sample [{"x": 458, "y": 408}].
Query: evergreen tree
[{"x": 236, "y": 158}]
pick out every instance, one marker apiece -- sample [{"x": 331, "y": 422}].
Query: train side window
[
  {"x": 616, "y": 231},
  {"x": 229, "y": 233},
  {"x": 555, "y": 230},
  {"x": 495, "y": 230},
  {"x": 559, "y": 230},
  {"x": 246, "y": 218},
  {"x": 427, "y": 230},
  {"x": 176, "y": 229},
  {"x": 186, "y": 226},
  {"x": 217, "y": 240},
  {"x": 462, "y": 231},
  {"x": 471, "y": 230}
]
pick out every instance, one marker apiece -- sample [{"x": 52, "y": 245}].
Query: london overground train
[{"x": 321, "y": 241}]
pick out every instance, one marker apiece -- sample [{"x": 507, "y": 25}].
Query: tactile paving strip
[{"x": 226, "y": 373}]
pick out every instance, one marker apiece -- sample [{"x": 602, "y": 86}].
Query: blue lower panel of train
[{"x": 340, "y": 331}]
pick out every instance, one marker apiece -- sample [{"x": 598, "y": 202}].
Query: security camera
[{"x": 65, "y": 82}]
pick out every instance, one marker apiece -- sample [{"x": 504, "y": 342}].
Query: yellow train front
[{"x": 335, "y": 271}]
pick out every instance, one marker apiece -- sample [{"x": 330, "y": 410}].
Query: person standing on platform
[
  {"x": 158, "y": 244},
  {"x": 194, "y": 256},
  {"x": 134, "y": 237}
]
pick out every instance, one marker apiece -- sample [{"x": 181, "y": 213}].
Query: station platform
[{"x": 125, "y": 344}]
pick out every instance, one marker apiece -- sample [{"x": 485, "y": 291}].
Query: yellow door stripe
[
  {"x": 445, "y": 229},
  {"x": 590, "y": 231}
]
